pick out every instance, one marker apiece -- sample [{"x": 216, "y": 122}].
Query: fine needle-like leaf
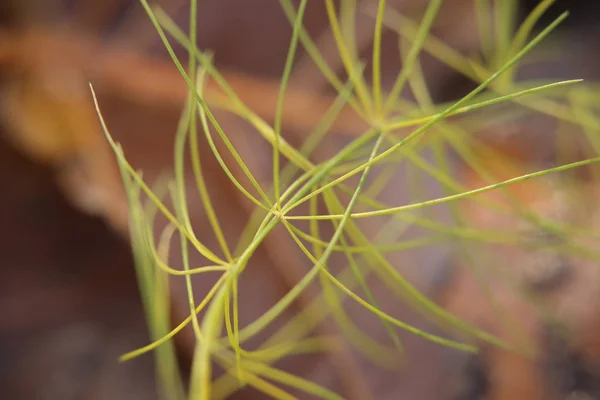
[
  {"x": 359, "y": 82},
  {"x": 440, "y": 117},
  {"x": 121, "y": 159},
  {"x": 289, "y": 62},
  {"x": 394, "y": 210}
]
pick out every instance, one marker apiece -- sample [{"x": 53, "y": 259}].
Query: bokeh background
[{"x": 69, "y": 303}]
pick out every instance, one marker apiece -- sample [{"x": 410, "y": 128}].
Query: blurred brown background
[{"x": 68, "y": 297}]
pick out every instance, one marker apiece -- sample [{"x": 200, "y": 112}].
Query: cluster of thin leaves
[{"x": 302, "y": 181}]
